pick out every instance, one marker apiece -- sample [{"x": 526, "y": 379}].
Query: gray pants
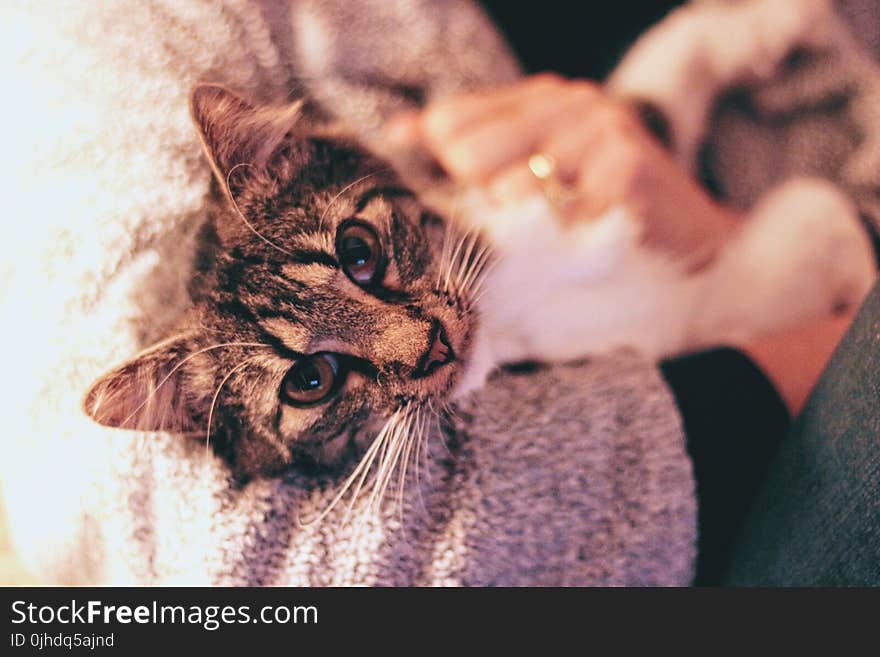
[{"x": 816, "y": 521}]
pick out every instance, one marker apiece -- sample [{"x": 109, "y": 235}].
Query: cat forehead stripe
[
  {"x": 236, "y": 308},
  {"x": 384, "y": 191},
  {"x": 292, "y": 335},
  {"x": 314, "y": 257},
  {"x": 315, "y": 241},
  {"x": 307, "y": 275}
]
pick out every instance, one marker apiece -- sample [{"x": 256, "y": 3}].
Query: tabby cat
[
  {"x": 332, "y": 301},
  {"x": 335, "y": 312}
]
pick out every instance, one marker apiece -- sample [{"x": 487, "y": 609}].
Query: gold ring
[{"x": 544, "y": 167}]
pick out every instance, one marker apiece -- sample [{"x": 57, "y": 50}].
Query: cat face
[{"x": 333, "y": 301}]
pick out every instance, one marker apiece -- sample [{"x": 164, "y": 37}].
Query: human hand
[{"x": 515, "y": 140}]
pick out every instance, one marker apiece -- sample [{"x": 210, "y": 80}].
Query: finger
[
  {"x": 518, "y": 183},
  {"x": 514, "y": 185},
  {"x": 447, "y": 119},
  {"x": 605, "y": 173},
  {"x": 485, "y": 149},
  {"x": 586, "y": 121},
  {"x": 573, "y": 142}
]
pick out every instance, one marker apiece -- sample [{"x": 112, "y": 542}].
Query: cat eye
[
  {"x": 311, "y": 380},
  {"x": 359, "y": 252}
]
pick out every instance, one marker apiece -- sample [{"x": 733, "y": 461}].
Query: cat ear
[
  {"x": 146, "y": 393},
  {"x": 239, "y": 139}
]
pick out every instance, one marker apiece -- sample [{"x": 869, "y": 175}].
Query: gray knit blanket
[{"x": 568, "y": 475}]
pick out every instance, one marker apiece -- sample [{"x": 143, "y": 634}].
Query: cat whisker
[
  {"x": 445, "y": 260},
  {"x": 387, "y": 448},
  {"x": 243, "y": 363},
  {"x": 454, "y": 258},
  {"x": 420, "y": 440},
  {"x": 344, "y": 190},
  {"x": 438, "y": 419},
  {"x": 381, "y": 441},
  {"x": 445, "y": 248},
  {"x": 180, "y": 364},
  {"x": 474, "y": 300},
  {"x": 448, "y": 263},
  {"x": 475, "y": 271},
  {"x": 389, "y": 464},
  {"x": 359, "y": 473},
  {"x": 244, "y": 219},
  {"x": 447, "y": 408},
  {"x": 467, "y": 260},
  {"x": 418, "y": 456},
  {"x": 461, "y": 257},
  {"x": 369, "y": 457},
  {"x": 448, "y": 232},
  {"x": 478, "y": 289},
  {"x": 466, "y": 263},
  {"x": 401, "y": 438},
  {"x": 451, "y": 412},
  {"x": 404, "y": 467}
]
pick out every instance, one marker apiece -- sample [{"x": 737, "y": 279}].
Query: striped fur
[{"x": 270, "y": 290}]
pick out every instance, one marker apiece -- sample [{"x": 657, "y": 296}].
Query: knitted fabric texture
[
  {"x": 575, "y": 474},
  {"x": 571, "y": 475}
]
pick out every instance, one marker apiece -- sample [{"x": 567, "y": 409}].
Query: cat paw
[
  {"x": 827, "y": 244},
  {"x": 802, "y": 254}
]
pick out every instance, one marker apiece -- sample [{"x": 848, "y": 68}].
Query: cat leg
[
  {"x": 682, "y": 64},
  {"x": 801, "y": 254}
]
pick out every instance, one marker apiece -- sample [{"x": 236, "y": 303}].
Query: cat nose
[{"x": 438, "y": 354}]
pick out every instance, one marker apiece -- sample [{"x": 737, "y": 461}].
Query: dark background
[{"x": 576, "y": 38}]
